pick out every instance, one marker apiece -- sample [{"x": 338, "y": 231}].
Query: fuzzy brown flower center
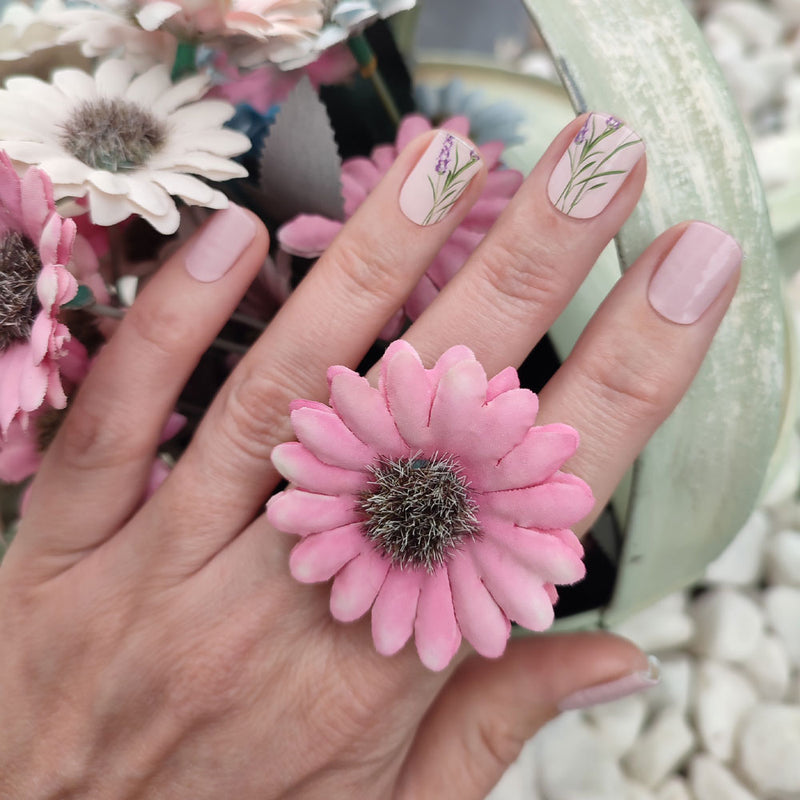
[
  {"x": 112, "y": 134},
  {"x": 20, "y": 266},
  {"x": 418, "y": 510}
]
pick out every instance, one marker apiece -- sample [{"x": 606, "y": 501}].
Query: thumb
[{"x": 488, "y": 710}]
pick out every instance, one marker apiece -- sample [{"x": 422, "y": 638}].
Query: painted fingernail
[
  {"x": 595, "y": 165},
  {"x": 219, "y": 245},
  {"x": 693, "y": 273},
  {"x": 439, "y": 178},
  {"x": 614, "y": 690}
]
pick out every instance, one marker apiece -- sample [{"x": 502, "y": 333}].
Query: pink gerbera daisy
[
  {"x": 433, "y": 500},
  {"x": 35, "y": 245},
  {"x": 308, "y": 235}
]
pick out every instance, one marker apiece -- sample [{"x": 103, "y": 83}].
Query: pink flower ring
[{"x": 433, "y": 500}]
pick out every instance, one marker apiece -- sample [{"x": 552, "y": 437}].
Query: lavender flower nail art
[
  {"x": 439, "y": 179},
  {"x": 594, "y": 166}
]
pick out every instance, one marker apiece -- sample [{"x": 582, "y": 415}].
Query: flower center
[
  {"x": 20, "y": 266},
  {"x": 112, "y": 134},
  {"x": 418, "y": 510}
]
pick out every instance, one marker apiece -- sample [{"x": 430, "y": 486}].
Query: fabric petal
[
  {"x": 412, "y": 126},
  {"x": 308, "y": 235},
  {"x": 319, "y": 556},
  {"x": 408, "y": 394},
  {"x": 363, "y": 172},
  {"x": 330, "y": 440},
  {"x": 357, "y": 584},
  {"x": 481, "y": 620},
  {"x": 395, "y": 609},
  {"x": 436, "y": 630},
  {"x": 504, "y": 381},
  {"x": 558, "y": 503},
  {"x": 301, "y": 512},
  {"x": 363, "y": 409},
  {"x": 422, "y": 295},
  {"x": 518, "y": 591},
  {"x": 300, "y": 466}
]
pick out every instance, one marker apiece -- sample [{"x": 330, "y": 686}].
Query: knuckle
[
  {"x": 497, "y": 743},
  {"x": 160, "y": 326},
  {"x": 524, "y": 274},
  {"x": 366, "y": 271},
  {"x": 629, "y": 383}
]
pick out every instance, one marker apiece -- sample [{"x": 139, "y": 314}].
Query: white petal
[
  {"x": 64, "y": 169},
  {"x": 27, "y": 152},
  {"x": 187, "y": 187},
  {"x": 204, "y": 114},
  {"x": 75, "y": 84},
  {"x": 113, "y": 77},
  {"x": 106, "y": 209},
  {"x": 154, "y": 15},
  {"x": 149, "y": 196},
  {"x": 222, "y": 142},
  {"x": 146, "y": 88},
  {"x": 187, "y": 91},
  {"x": 168, "y": 223},
  {"x": 205, "y": 164},
  {"x": 108, "y": 182}
]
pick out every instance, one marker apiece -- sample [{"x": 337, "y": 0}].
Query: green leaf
[{"x": 82, "y": 299}]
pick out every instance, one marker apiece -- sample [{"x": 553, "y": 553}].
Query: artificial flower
[
  {"x": 25, "y": 30},
  {"x": 35, "y": 245},
  {"x": 308, "y": 235},
  {"x": 434, "y": 501},
  {"x": 127, "y": 142}
]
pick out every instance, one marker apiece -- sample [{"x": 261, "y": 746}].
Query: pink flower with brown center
[
  {"x": 308, "y": 235},
  {"x": 434, "y": 501},
  {"x": 35, "y": 247}
]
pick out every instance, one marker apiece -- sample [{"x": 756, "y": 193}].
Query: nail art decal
[
  {"x": 438, "y": 179},
  {"x": 594, "y": 166}
]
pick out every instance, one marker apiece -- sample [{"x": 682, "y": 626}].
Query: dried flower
[{"x": 433, "y": 500}]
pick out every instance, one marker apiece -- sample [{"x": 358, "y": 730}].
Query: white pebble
[
  {"x": 728, "y": 625},
  {"x": 769, "y": 751},
  {"x": 769, "y": 668},
  {"x": 740, "y": 563},
  {"x": 783, "y": 558},
  {"x": 782, "y": 608},
  {"x": 725, "y": 41},
  {"x": 675, "y": 686},
  {"x": 619, "y": 723},
  {"x": 663, "y": 747},
  {"x": 758, "y": 81},
  {"x": 711, "y": 781},
  {"x": 722, "y": 698},
  {"x": 759, "y": 27},
  {"x": 572, "y": 760},
  {"x": 673, "y": 789},
  {"x": 663, "y": 626}
]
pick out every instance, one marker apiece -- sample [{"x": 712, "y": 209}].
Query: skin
[{"x": 163, "y": 651}]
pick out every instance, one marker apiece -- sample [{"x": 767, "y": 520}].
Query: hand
[{"x": 162, "y": 650}]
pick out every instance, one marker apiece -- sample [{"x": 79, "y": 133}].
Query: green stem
[
  {"x": 185, "y": 60},
  {"x": 366, "y": 59}
]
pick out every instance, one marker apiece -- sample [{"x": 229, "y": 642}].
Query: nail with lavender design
[
  {"x": 595, "y": 165},
  {"x": 438, "y": 179}
]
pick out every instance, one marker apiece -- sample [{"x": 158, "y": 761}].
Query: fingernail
[
  {"x": 693, "y": 273},
  {"x": 595, "y": 165},
  {"x": 614, "y": 690},
  {"x": 219, "y": 245},
  {"x": 439, "y": 178}
]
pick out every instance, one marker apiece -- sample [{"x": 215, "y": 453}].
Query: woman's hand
[{"x": 163, "y": 650}]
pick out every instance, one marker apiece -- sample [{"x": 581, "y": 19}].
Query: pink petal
[
  {"x": 36, "y": 194},
  {"x": 306, "y": 471},
  {"x": 458, "y": 125},
  {"x": 55, "y": 394},
  {"x": 355, "y": 193},
  {"x": 363, "y": 172},
  {"x": 357, "y": 584},
  {"x": 363, "y": 410},
  {"x": 451, "y": 258},
  {"x": 308, "y": 235},
  {"x": 484, "y": 213},
  {"x": 481, "y": 620},
  {"x": 19, "y": 457},
  {"x": 395, "y": 609},
  {"x": 540, "y": 553},
  {"x": 412, "y": 126},
  {"x": 405, "y": 386},
  {"x": 394, "y": 327},
  {"x": 173, "y": 426},
  {"x": 516, "y": 590},
  {"x": 422, "y": 295},
  {"x": 10, "y": 190},
  {"x": 383, "y": 157},
  {"x": 558, "y": 503},
  {"x": 315, "y": 404},
  {"x": 66, "y": 242},
  {"x": 502, "y": 182},
  {"x": 320, "y": 556},
  {"x": 552, "y": 592},
  {"x": 539, "y": 455},
  {"x": 34, "y": 382},
  {"x": 159, "y": 472},
  {"x": 491, "y": 152},
  {"x": 41, "y": 334},
  {"x": 569, "y": 539},
  {"x": 436, "y": 630},
  {"x": 300, "y": 512},
  {"x": 329, "y": 439},
  {"x": 504, "y": 381},
  {"x": 447, "y": 360},
  {"x": 47, "y": 288}
]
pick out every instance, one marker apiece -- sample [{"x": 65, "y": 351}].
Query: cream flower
[
  {"x": 24, "y": 30},
  {"x": 126, "y": 142}
]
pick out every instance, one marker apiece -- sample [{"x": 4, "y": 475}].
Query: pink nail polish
[
  {"x": 614, "y": 690},
  {"x": 438, "y": 179},
  {"x": 693, "y": 273},
  {"x": 594, "y": 166},
  {"x": 219, "y": 245}
]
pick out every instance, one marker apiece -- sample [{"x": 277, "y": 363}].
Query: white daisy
[
  {"x": 125, "y": 141},
  {"x": 25, "y": 29}
]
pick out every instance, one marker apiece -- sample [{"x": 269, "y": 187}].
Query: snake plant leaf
[{"x": 696, "y": 482}]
